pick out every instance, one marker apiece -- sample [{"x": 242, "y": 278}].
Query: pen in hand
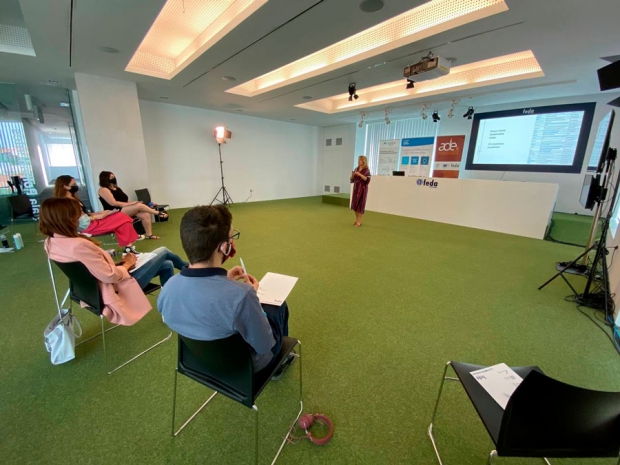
[{"x": 245, "y": 272}]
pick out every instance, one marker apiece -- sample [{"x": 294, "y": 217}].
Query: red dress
[
  {"x": 360, "y": 190},
  {"x": 119, "y": 224}
]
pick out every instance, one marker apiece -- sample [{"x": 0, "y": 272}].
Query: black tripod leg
[{"x": 561, "y": 272}]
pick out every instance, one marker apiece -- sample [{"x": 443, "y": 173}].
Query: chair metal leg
[
  {"x": 105, "y": 353},
  {"x": 141, "y": 353},
  {"x": 255, "y": 408},
  {"x": 491, "y": 455},
  {"x": 546, "y": 461},
  {"x": 301, "y": 408},
  {"x": 430, "y": 427},
  {"x": 174, "y": 402}
]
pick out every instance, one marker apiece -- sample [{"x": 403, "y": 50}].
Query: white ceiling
[{"x": 567, "y": 37}]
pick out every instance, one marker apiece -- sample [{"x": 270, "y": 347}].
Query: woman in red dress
[
  {"x": 360, "y": 178},
  {"x": 98, "y": 223}
]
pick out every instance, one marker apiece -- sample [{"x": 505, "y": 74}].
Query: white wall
[
  {"x": 338, "y": 160},
  {"x": 113, "y": 130},
  {"x": 274, "y": 159},
  {"x": 569, "y": 184}
]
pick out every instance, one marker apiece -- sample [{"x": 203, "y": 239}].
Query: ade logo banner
[{"x": 428, "y": 183}]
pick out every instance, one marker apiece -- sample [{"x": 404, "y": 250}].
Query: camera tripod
[{"x": 226, "y": 199}]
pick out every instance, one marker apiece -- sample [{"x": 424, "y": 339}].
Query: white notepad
[
  {"x": 142, "y": 259},
  {"x": 274, "y": 288},
  {"x": 500, "y": 381}
]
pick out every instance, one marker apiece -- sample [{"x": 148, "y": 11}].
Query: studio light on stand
[{"x": 221, "y": 134}]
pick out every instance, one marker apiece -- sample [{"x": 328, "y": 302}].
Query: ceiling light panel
[
  {"x": 184, "y": 30},
  {"x": 507, "y": 68},
  {"x": 426, "y": 20}
]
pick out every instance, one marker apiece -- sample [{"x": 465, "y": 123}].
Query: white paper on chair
[
  {"x": 500, "y": 381},
  {"x": 274, "y": 288},
  {"x": 142, "y": 259}
]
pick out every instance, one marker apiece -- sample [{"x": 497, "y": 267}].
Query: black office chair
[
  {"x": 145, "y": 197},
  {"x": 21, "y": 210},
  {"x": 225, "y": 365},
  {"x": 543, "y": 418},
  {"x": 84, "y": 287}
]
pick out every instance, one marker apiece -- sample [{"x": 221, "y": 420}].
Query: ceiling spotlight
[
  {"x": 362, "y": 117},
  {"x": 435, "y": 116},
  {"x": 409, "y": 85},
  {"x": 387, "y": 116},
  {"x": 469, "y": 114},
  {"x": 352, "y": 92},
  {"x": 423, "y": 112}
]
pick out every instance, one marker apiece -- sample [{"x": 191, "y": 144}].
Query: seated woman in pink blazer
[{"x": 125, "y": 303}]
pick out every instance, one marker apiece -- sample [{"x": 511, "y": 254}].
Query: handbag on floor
[{"x": 59, "y": 336}]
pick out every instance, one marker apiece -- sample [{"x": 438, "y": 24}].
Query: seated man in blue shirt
[{"x": 206, "y": 302}]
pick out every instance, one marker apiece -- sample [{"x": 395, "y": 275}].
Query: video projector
[{"x": 427, "y": 69}]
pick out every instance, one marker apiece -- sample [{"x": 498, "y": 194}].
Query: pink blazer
[{"x": 125, "y": 303}]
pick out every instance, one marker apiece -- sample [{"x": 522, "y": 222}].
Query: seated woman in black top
[{"x": 113, "y": 197}]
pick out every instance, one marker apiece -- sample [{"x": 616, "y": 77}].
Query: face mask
[
  {"x": 84, "y": 222},
  {"x": 231, "y": 251},
  {"x": 113, "y": 181},
  {"x": 74, "y": 189}
]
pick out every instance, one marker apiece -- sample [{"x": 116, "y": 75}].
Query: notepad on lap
[
  {"x": 500, "y": 381},
  {"x": 274, "y": 288},
  {"x": 142, "y": 259}
]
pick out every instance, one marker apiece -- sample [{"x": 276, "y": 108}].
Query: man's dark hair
[{"x": 203, "y": 229}]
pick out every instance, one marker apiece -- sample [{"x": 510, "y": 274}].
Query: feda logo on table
[{"x": 427, "y": 182}]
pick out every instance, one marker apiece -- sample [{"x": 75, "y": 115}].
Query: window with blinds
[{"x": 399, "y": 129}]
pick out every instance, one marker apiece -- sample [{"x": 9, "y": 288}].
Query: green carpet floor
[
  {"x": 379, "y": 309},
  {"x": 572, "y": 229}
]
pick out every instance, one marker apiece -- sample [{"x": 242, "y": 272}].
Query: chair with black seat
[
  {"x": 21, "y": 210},
  {"x": 226, "y": 366},
  {"x": 543, "y": 417},
  {"x": 144, "y": 196},
  {"x": 84, "y": 287}
]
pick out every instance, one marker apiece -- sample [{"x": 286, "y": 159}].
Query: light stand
[{"x": 221, "y": 134}]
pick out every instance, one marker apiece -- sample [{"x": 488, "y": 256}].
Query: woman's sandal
[
  {"x": 162, "y": 214},
  {"x": 152, "y": 236}
]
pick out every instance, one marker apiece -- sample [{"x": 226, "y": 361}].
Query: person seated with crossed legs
[{"x": 205, "y": 302}]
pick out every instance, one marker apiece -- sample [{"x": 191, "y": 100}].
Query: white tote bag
[{"x": 59, "y": 336}]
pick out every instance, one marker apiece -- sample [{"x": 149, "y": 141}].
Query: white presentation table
[{"x": 519, "y": 208}]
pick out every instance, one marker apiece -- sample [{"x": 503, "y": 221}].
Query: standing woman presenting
[{"x": 360, "y": 179}]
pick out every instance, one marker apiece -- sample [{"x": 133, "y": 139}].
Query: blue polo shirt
[{"x": 203, "y": 304}]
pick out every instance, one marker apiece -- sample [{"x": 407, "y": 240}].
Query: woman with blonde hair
[
  {"x": 360, "y": 177},
  {"x": 99, "y": 223}
]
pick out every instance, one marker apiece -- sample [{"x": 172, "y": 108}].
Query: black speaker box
[{"x": 609, "y": 76}]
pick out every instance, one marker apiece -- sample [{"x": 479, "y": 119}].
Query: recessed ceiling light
[
  {"x": 229, "y": 78},
  {"x": 371, "y": 6},
  {"x": 163, "y": 98},
  {"x": 239, "y": 109},
  {"x": 307, "y": 97},
  {"x": 184, "y": 30},
  {"x": 293, "y": 119},
  {"x": 108, "y": 49},
  {"x": 52, "y": 82},
  {"x": 507, "y": 68},
  {"x": 426, "y": 20}
]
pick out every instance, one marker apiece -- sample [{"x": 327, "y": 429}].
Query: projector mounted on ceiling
[{"x": 430, "y": 67}]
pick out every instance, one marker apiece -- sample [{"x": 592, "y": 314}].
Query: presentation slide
[{"x": 531, "y": 139}]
